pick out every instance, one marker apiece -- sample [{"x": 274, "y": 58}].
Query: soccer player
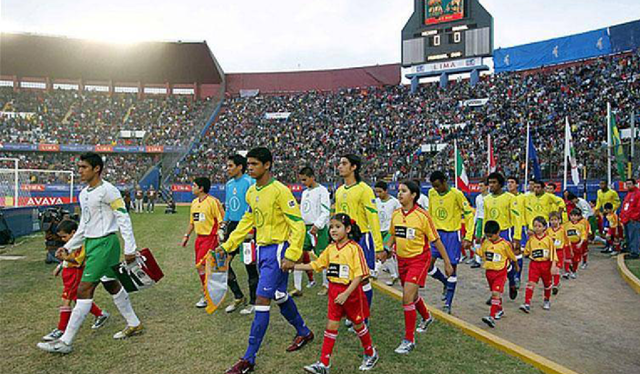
[
  {"x": 541, "y": 251},
  {"x": 274, "y": 213},
  {"x": 478, "y": 219},
  {"x": 346, "y": 266},
  {"x": 558, "y": 233},
  {"x": 423, "y": 200},
  {"x": 236, "y": 206},
  {"x": 103, "y": 214},
  {"x": 503, "y": 208},
  {"x": 386, "y": 204},
  {"x": 139, "y": 197},
  {"x": 72, "y": 267},
  {"x": 316, "y": 211},
  {"x": 606, "y": 195},
  {"x": 448, "y": 207},
  {"x": 558, "y": 202},
  {"x": 357, "y": 200},
  {"x": 412, "y": 229},
  {"x": 151, "y": 199},
  {"x": 205, "y": 219},
  {"x": 589, "y": 218},
  {"x": 578, "y": 234},
  {"x": 520, "y": 207},
  {"x": 613, "y": 230},
  {"x": 496, "y": 253}
]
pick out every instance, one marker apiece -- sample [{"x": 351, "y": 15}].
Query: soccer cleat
[
  {"x": 424, "y": 324},
  {"x": 323, "y": 292},
  {"x": 295, "y": 293},
  {"x": 566, "y": 275},
  {"x": 317, "y": 368},
  {"x": 462, "y": 259},
  {"x": 100, "y": 320},
  {"x": 369, "y": 362},
  {"x": 447, "y": 309},
  {"x": 517, "y": 281},
  {"x": 546, "y": 305},
  {"x": 241, "y": 367},
  {"x": 248, "y": 310},
  {"x": 56, "y": 346},
  {"x": 391, "y": 281},
  {"x": 348, "y": 323},
  {"x": 584, "y": 265},
  {"x": 555, "y": 290},
  {"x": 606, "y": 249},
  {"x": 573, "y": 275},
  {"x": 299, "y": 342},
  {"x": 499, "y": 315},
  {"x": 470, "y": 261},
  {"x": 234, "y": 305},
  {"x": 128, "y": 332},
  {"x": 475, "y": 264},
  {"x": 405, "y": 347},
  {"x": 311, "y": 284},
  {"x": 525, "y": 308},
  {"x": 53, "y": 335},
  {"x": 489, "y": 321},
  {"x": 513, "y": 292},
  {"x": 202, "y": 303}
]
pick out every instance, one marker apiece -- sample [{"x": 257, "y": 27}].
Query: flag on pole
[
  {"x": 616, "y": 145},
  {"x": 570, "y": 154},
  {"x": 462, "y": 180},
  {"x": 533, "y": 156},
  {"x": 492, "y": 167}
]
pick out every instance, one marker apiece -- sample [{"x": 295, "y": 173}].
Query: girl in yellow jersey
[
  {"x": 412, "y": 230},
  {"x": 558, "y": 233},
  {"x": 541, "y": 251},
  {"x": 346, "y": 268}
]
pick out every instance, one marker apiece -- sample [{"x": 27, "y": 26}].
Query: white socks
[
  {"x": 121, "y": 299},
  {"x": 325, "y": 281},
  {"x": 297, "y": 279},
  {"x": 79, "y": 313}
]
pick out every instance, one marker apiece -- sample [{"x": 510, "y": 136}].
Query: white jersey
[
  {"x": 385, "y": 211},
  {"x": 316, "y": 206},
  {"x": 585, "y": 208},
  {"x": 479, "y": 207},
  {"x": 423, "y": 201},
  {"x": 103, "y": 213}
]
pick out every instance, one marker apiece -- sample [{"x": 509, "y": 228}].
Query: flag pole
[
  {"x": 455, "y": 162},
  {"x": 609, "y": 143},
  {"x": 488, "y": 154},
  {"x": 526, "y": 163},
  {"x": 566, "y": 150},
  {"x": 633, "y": 141}
]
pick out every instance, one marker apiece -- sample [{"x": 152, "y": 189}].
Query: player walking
[{"x": 386, "y": 204}]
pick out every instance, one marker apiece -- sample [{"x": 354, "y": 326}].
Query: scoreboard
[{"x": 445, "y": 30}]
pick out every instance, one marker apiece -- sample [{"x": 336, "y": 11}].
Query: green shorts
[
  {"x": 593, "y": 224},
  {"x": 479, "y": 233},
  {"x": 102, "y": 254},
  {"x": 385, "y": 236},
  {"x": 322, "y": 241}
]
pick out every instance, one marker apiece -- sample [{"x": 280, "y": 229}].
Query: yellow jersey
[
  {"x": 613, "y": 220},
  {"x": 559, "y": 205},
  {"x": 275, "y": 214},
  {"x": 78, "y": 257},
  {"x": 559, "y": 237},
  {"x": 449, "y": 209},
  {"x": 206, "y": 215},
  {"x": 577, "y": 231},
  {"x": 496, "y": 255},
  {"x": 359, "y": 202},
  {"x": 343, "y": 263},
  {"x": 505, "y": 210},
  {"x": 541, "y": 248},
  {"x": 520, "y": 209},
  {"x": 412, "y": 231},
  {"x": 610, "y": 196},
  {"x": 539, "y": 206}
]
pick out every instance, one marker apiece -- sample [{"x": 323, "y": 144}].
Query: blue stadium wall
[{"x": 615, "y": 39}]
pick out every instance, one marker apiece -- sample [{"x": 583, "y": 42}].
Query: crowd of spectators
[
  {"x": 388, "y": 126},
  {"x": 71, "y": 117}
]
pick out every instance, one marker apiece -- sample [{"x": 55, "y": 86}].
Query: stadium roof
[{"x": 29, "y": 55}]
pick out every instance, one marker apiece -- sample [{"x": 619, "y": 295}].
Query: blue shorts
[
  {"x": 369, "y": 249},
  {"x": 525, "y": 237},
  {"x": 452, "y": 243},
  {"x": 272, "y": 283},
  {"x": 507, "y": 235}
]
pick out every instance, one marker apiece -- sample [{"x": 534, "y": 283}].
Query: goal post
[{"x": 35, "y": 187}]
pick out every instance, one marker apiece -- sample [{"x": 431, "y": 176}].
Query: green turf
[
  {"x": 182, "y": 339},
  {"x": 634, "y": 267}
]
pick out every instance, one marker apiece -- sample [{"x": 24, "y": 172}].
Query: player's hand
[
  {"x": 185, "y": 240},
  {"x": 314, "y": 230},
  {"x": 448, "y": 269},
  {"x": 517, "y": 247},
  {"x": 60, "y": 252},
  {"x": 341, "y": 298},
  {"x": 287, "y": 265},
  {"x": 130, "y": 258},
  {"x": 382, "y": 256},
  {"x": 219, "y": 250}
]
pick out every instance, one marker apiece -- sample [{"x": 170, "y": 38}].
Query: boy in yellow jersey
[
  {"x": 346, "y": 268},
  {"x": 280, "y": 230},
  {"x": 357, "y": 200},
  {"x": 496, "y": 254},
  {"x": 578, "y": 233},
  {"x": 541, "y": 251},
  {"x": 205, "y": 219},
  {"x": 448, "y": 207},
  {"x": 502, "y": 207},
  {"x": 612, "y": 229},
  {"x": 412, "y": 230},
  {"x": 558, "y": 233}
]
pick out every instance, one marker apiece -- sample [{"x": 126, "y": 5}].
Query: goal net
[{"x": 33, "y": 187}]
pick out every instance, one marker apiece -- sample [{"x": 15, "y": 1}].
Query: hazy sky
[{"x": 280, "y": 35}]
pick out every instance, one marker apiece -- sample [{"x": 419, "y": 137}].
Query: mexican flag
[
  {"x": 462, "y": 180},
  {"x": 492, "y": 166},
  {"x": 570, "y": 154}
]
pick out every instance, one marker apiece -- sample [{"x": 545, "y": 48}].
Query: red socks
[
  {"x": 365, "y": 339},
  {"x": 496, "y": 306},
  {"x": 65, "y": 314},
  {"x": 547, "y": 292},
  {"x": 556, "y": 280},
  {"x": 421, "y": 307},
  {"x": 95, "y": 310},
  {"x": 410, "y": 317},
  {"x": 327, "y": 346},
  {"x": 528, "y": 294}
]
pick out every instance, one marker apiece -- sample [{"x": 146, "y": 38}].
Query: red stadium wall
[{"x": 319, "y": 80}]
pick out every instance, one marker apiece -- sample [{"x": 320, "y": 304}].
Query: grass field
[
  {"x": 634, "y": 267},
  {"x": 180, "y": 338}
]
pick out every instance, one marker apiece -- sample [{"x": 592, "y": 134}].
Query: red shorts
[
  {"x": 560, "y": 253},
  {"x": 414, "y": 269},
  {"x": 205, "y": 243},
  {"x": 540, "y": 269},
  {"x": 615, "y": 232},
  {"x": 579, "y": 251},
  {"x": 496, "y": 279},
  {"x": 355, "y": 308},
  {"x": 70, "y": 280}
]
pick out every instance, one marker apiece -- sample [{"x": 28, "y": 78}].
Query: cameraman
[{"x": 50, "y": 218}]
